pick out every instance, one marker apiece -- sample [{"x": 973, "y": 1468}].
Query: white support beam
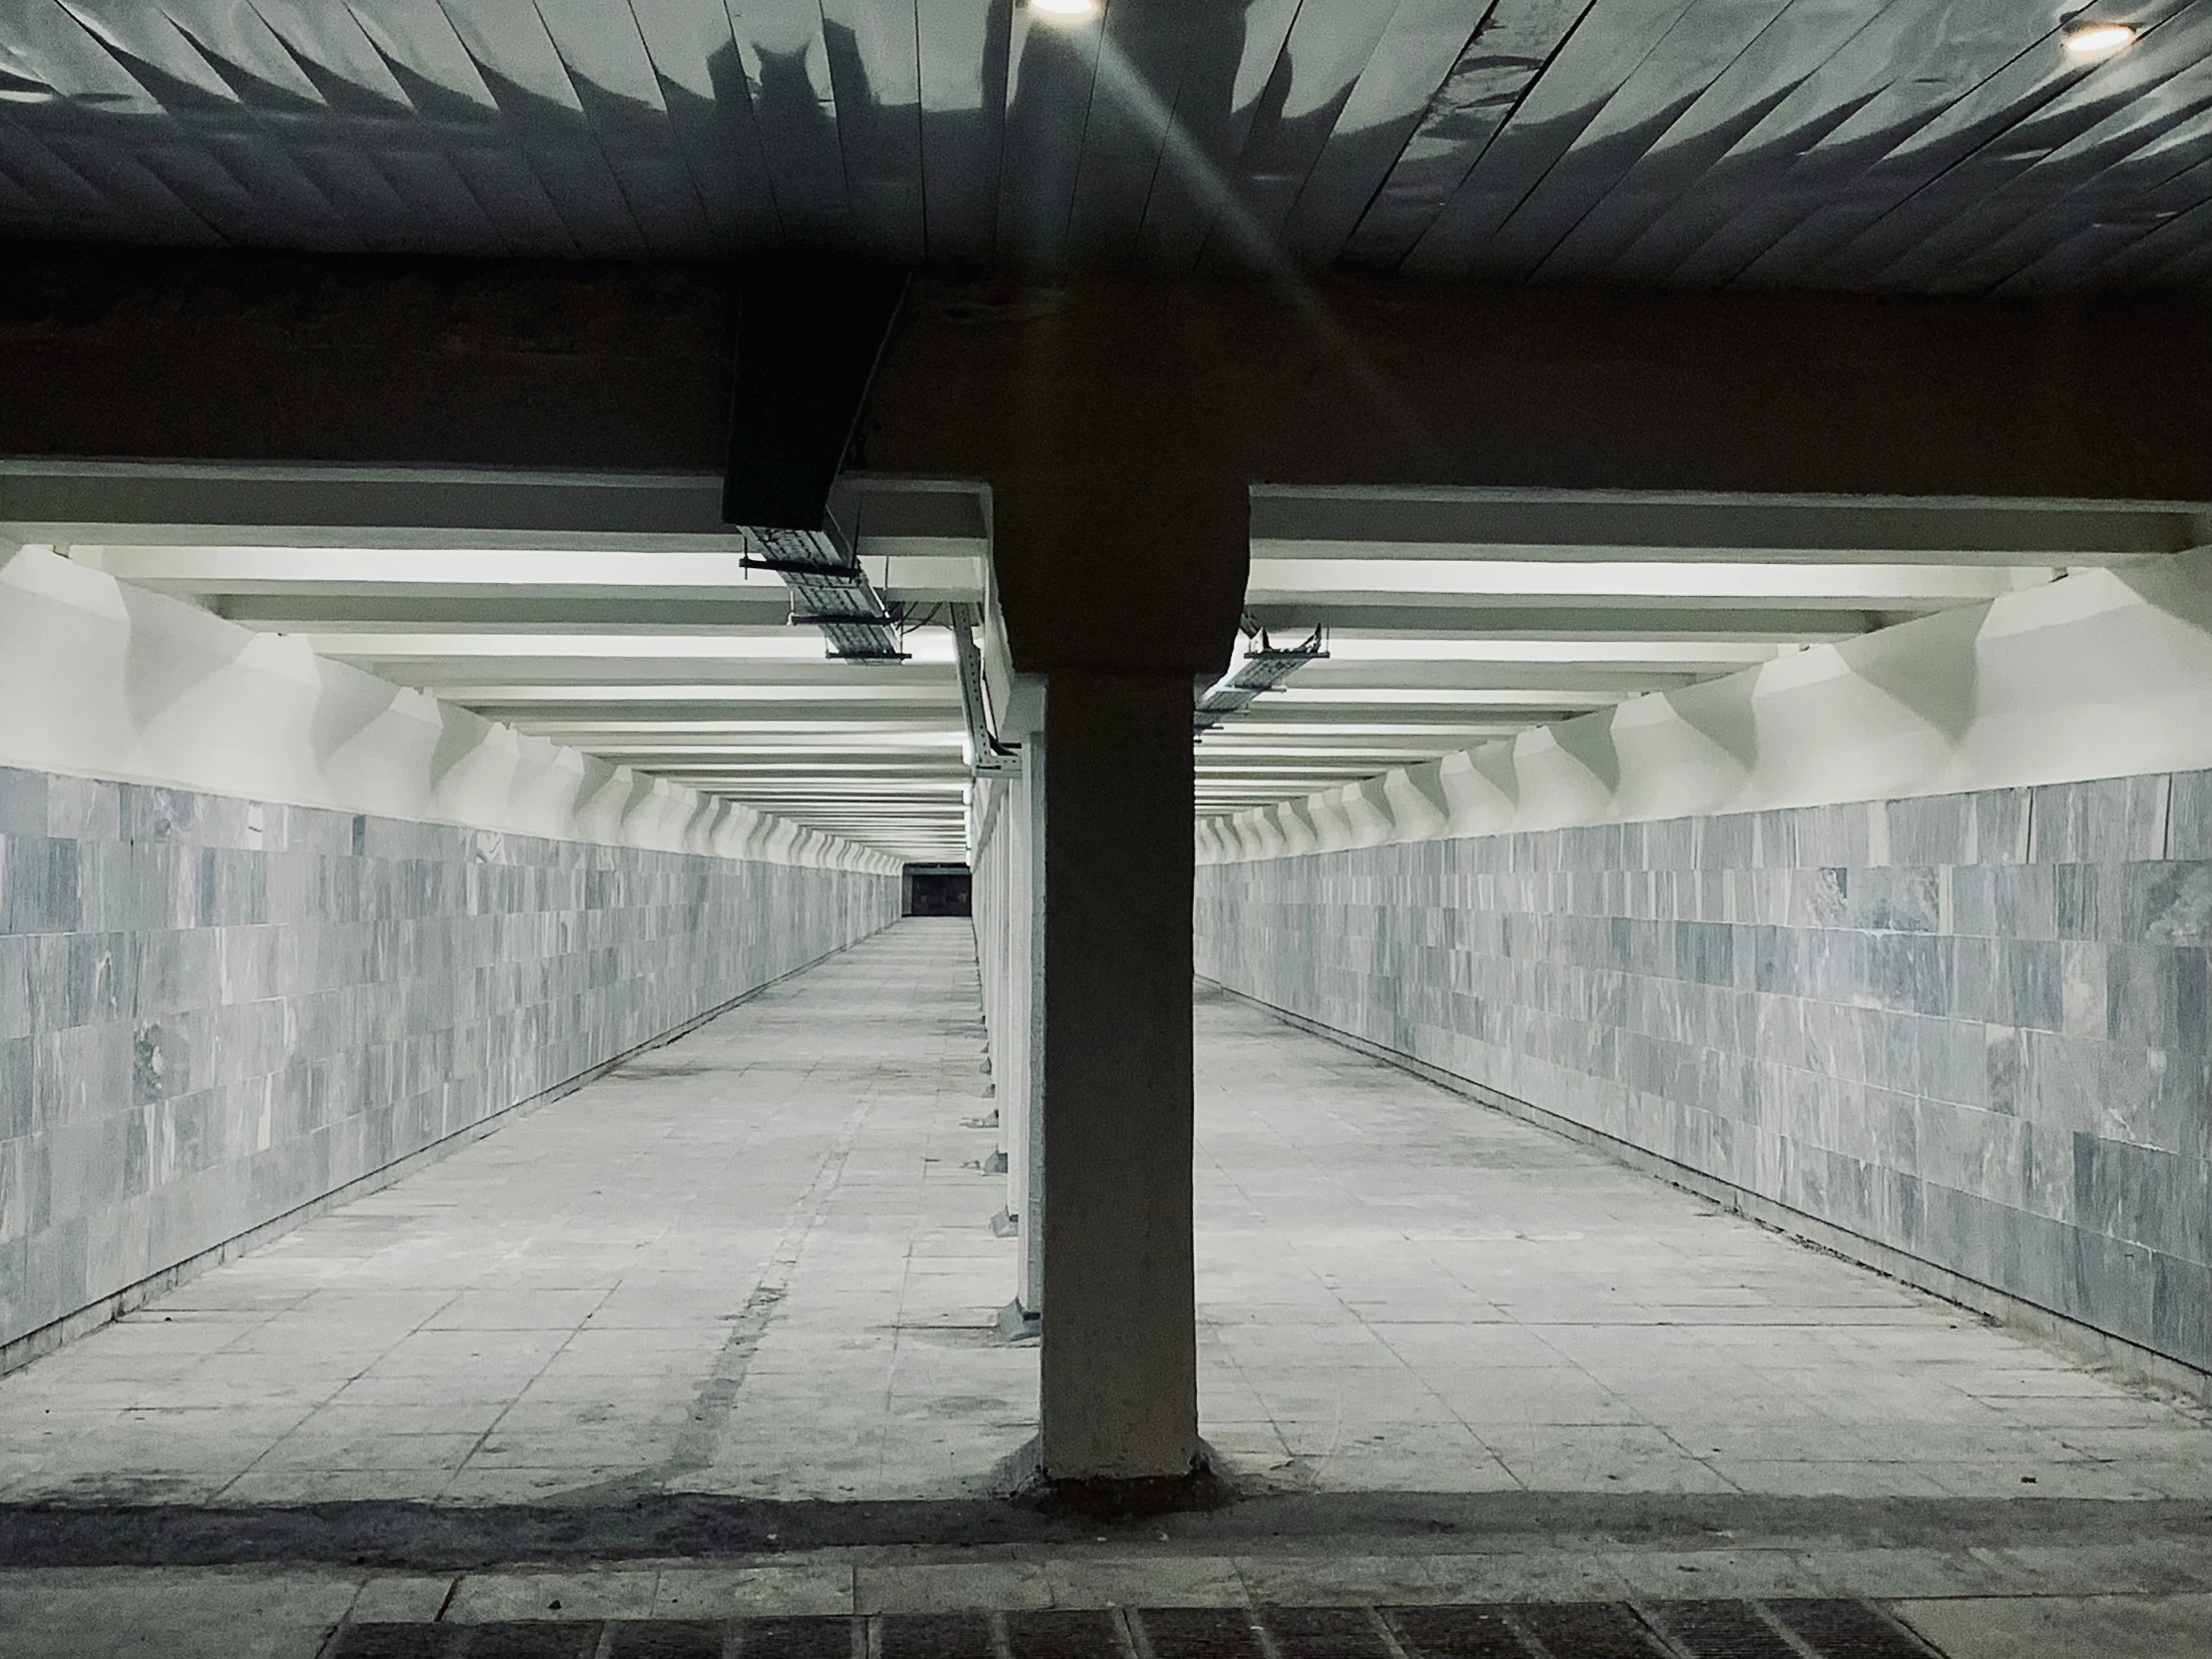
[{"x": 1460, "y": 615}]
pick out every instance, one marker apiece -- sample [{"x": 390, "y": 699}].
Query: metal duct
[{"x": 1265, "y": 667}]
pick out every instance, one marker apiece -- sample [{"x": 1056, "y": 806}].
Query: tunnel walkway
[{"x": 756, "y": 1262}]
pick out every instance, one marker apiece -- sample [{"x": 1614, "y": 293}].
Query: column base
[
  {"x": 1017, "y": 1323},
  {"x": 1202, "y": 1486}
]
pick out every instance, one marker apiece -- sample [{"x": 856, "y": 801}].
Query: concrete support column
[
  {"x": 1021, "y": 1109},
  {"x": 1120, "y": 1360}
]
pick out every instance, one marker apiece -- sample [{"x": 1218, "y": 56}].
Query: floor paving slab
[{"x": 737, "y": 1299}]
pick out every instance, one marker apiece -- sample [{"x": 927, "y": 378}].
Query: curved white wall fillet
[
  {"x": 101, "y": 680},
  {"x": 2104, "y": 673}
]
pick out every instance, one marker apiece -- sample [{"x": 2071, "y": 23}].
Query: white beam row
[
  {"x": 614, "y": 614},
  {"x": 610, "y": 614},
  {"x": 1456, "y": 617}
]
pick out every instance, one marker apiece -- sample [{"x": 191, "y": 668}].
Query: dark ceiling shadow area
[
  {"x": 1159, "y": 93},
  {"x": 434, "y": 1537}
]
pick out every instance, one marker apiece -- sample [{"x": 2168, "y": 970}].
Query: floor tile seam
[
  {"x": 285, "y": 1438},
  {"x": 805, "y": 1217},
  {"x": 484, "y": 1439}
]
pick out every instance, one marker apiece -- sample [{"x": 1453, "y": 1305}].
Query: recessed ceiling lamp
[
  {"x": 1064, "y": 8},
  {"x": 2091, "y": 40}
]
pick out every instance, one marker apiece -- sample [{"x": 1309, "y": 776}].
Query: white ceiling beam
[
  {"x": 1576, "y": 621},
  {"x": 1628, "y": 655},
  {"x": 1341, "y": 672},
  {"x": 451, "y": 676},
  {"x": 1574, "y": 526},
  {"x": 124, "y": 501},
  {"x": 479, "y": 573},
  {"x": 1350, "y": 583},
  {"x": 861, "y": 687}
]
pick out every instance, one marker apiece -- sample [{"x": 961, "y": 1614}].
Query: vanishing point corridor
[{"x": 756, "y": 1262}]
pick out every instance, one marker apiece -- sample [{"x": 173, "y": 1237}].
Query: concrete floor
[{"x": 756, "y": 1262}]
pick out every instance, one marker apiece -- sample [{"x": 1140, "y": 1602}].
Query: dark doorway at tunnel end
[{"x": 938, "y": 890}]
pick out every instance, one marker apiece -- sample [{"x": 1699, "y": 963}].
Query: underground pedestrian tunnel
[{"x": 1302, "y": 830}]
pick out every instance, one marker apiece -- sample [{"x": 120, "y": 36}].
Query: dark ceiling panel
[
  {"x": 794, "y": 107},
  {"x": 1330, "y": 45},
  {"x": 1609, "y": 46},
  {"x": 1225, "y": 76},
  {"x": 1050, "y": 84},
  {"x": 874, "y": 70},
  {"x": 1773, "y": 70},
  {"x": 2085, "y": 136},
  {"x": 1650, "y": 114},
  {"x": 694, "y": 56},
  {"x": 1945, "y": 145},
  {"x": 961, "y": 47},
  {"x": 2120, "y": 251},
  {"x": 1516, "y": 40},
  {"x": 1425, "y": 44},
  {"x": 1960, "y": 78},
  {"x": 1142, "y": 57}
]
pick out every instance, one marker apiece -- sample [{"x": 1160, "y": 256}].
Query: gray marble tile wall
[
  {"x": 214, "y": 1010},
  {"x": 1973, "y": 1028}
]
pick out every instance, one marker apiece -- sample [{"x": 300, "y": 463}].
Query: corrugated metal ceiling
[{"x": 1912, "y": 144}]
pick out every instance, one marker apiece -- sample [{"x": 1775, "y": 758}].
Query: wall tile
[
  {"x": 214, "y": 1010},
  {"x": 2189, "y": 816},
  {"x": 1973, "y": 1027}
]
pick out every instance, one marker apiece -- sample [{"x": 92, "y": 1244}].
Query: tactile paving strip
[
  {"x": 1847, "y": 1630},
  {"x": 1201, "y": 1634},
  {"x": 1456, "y": 1633},
  {"x": 1325, "y": 1633},
  {"x": 826, "y": 1637},
  {"x": 1070, "y": 1635},
  {"x": 667, "y": 1639},
  {"x": 936, "y": 1636},
  {"x": 1782, "y": 1629},
  {"x": 1722, "y": 1630},
  {"x": 1588, "y": 1630}
]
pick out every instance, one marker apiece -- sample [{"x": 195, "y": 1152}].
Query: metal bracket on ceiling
[
  {"x": 830, "y": 591},
  {"x": 1263, "y": 668},
  {"x": 987, "y": 756}
]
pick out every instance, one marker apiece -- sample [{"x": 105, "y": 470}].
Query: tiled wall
[
  {"x": 1973, "y": 1028},
  {"x": 214, "y": 1010}
]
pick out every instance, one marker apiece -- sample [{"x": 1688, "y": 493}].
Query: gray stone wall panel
[
  {"x": 214, "y": 1011},
  {"x": 1971, "y": 1027}
]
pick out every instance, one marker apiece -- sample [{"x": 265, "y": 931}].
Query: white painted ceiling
[
  {"x": 1913, "y": 145},
  {"x": 1456, "y": 617},
  {"x": 612, "y": 613}
]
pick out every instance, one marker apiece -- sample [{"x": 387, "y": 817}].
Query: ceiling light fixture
[
  {"x": 2098, "y": 39},
  {"x": 1064, "y": 8}
]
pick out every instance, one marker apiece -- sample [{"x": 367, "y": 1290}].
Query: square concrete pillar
[
  {"x": 1120, "y": 1359},
  {"x": 1024, "y": 1115}
]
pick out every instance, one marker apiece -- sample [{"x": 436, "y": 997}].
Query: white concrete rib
[
  {"x": 1458, "y": 617},
  {"x": 608, "y": 615},
  {"x": 611, "y": 614}
]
